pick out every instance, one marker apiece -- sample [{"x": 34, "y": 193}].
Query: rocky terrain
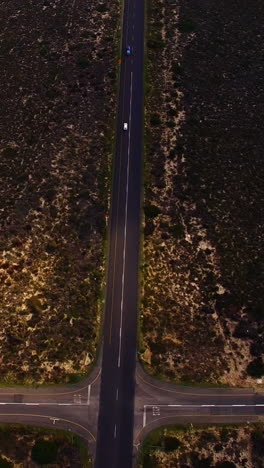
[
  {"x": 30, "y": 447},
  {"x": 203, "y": 294},
  {"x": 57, "y": 92},
  {"x": 204, "y": 447}
]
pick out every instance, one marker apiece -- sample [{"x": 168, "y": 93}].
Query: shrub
[
  {"x": 173, "y": 112},
  {"x": 171, "y": 444},
  {"x": 101, "y": 8},
  {"x": 218, "y": 448},
  {"x": 177, "y": 230},
  {"x": 171, "y": 124},
  {"x": 155, "y": 44},
  {"x": 225, "y": 464},
  {"x": 176, "y": 69},
  {"x": 200, "y": 462},
  {"x": 83, "y": 62},
  {"x": 151, "y": 211},
  {"x": 225, "y": 435},
  {"x": 5, "y": 463},
  {"x": 155, "y": 120},
  {"x": 244, "y": 330},
  {"x": 34, "y": 304},
  {"x": 172, "y": 153},
  {"x": 43, "y": 51},
  {"x": 258, "y": 435},
  {"x": 258, "y": 313},
  {"x": 9, "y": 152},
  {"x": 208, "y": 436},
  {"x": 187, "y": 26},
  {"x": 44, "y": 451},
  {"x": 257, "y": 348},
  {"x": 256, "y": 368}
]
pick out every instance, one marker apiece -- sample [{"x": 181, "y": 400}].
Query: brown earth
[
  {"x": 203, "y": 297},
  {"x": 17, "y": 448},
  {"x": 57, "y": 96},
  {"x": 204, "y": 447}
]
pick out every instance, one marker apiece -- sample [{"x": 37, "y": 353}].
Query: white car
[{"x": 125, "y": 126}]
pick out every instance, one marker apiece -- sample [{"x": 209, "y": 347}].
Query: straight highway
[
  {"x": 118, "y": 403},
  {"x": 116, "y": 410}
]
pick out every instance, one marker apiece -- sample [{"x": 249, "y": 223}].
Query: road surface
[
  {"x": 116, "y": 411},
  {"x": 131, "y": 403}
]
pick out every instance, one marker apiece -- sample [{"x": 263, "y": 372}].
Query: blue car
[{"x": 128, "y": 50}]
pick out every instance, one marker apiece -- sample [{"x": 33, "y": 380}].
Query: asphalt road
[
  {"x": 116, "y": 411},
  {"x": 131, "y": 403}
]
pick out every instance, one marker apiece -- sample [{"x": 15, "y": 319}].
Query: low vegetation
[
  {"x": 58, "y": 94},
  {"x": 203, "y": 296},
  {"x": 28, "y": 446},
  {"x": 204, "y": 447}
]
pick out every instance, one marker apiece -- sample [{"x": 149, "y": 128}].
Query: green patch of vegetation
[
  {"x": 151, "y": 211},
  {"x": 171, "y": 124},
  {"x": 43, "y": 51},
  {"x": 256, "y": 368},
  {"x": 76, "y": 378},
  {"x": 5, "y": 463},
  {"x": 172, "y": 154},
  {"x": 186, "y": 26},
  {"x": 22, "y": 443},
  {"x": 155, "y": 120},
  {"x": 9, "y": 152},
  {"x": 171, "y": 443},
  {"x": 44, "y": 451},
  {"x": 83, "y": 61},
  {"x": 172, "y": 112},
  {"x": 155, "y": 43},
  {"x": 52, "y": 93},
  {"x": 177, "y": 230},
  {"x": 258, "y": 312},
  {"x": 101, "y": 7},
  {"x": 180, "y": 445}
]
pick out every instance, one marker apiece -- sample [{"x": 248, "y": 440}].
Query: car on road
[
  {"x": 125, "y": 127},
  {"x": 128, "y": 50}
]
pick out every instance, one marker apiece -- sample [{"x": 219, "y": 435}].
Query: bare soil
[
  {"x": 203, "y": 294},
  {"x": 204, "y": 447},
  {"x": 57, "y": 94},
  {"x": 17, "y": 442}
]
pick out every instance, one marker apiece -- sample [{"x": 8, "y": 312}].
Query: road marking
[
  {"x": 116, "y": 394},
  {"x": 115, "y": 432},
  {"x": 88, "y": 394},
  {"x": 144, "y": 416},
  {"x": 125, "y": 228},
  {"x": 77, "y": 398},
  {"x": 205, "y": 406},
  {"x": 54, "y": 420},
  {"x": 47, "y": 403},
  {"x": 155, "y": 411},
  {"x": 116, "y": 232}
]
